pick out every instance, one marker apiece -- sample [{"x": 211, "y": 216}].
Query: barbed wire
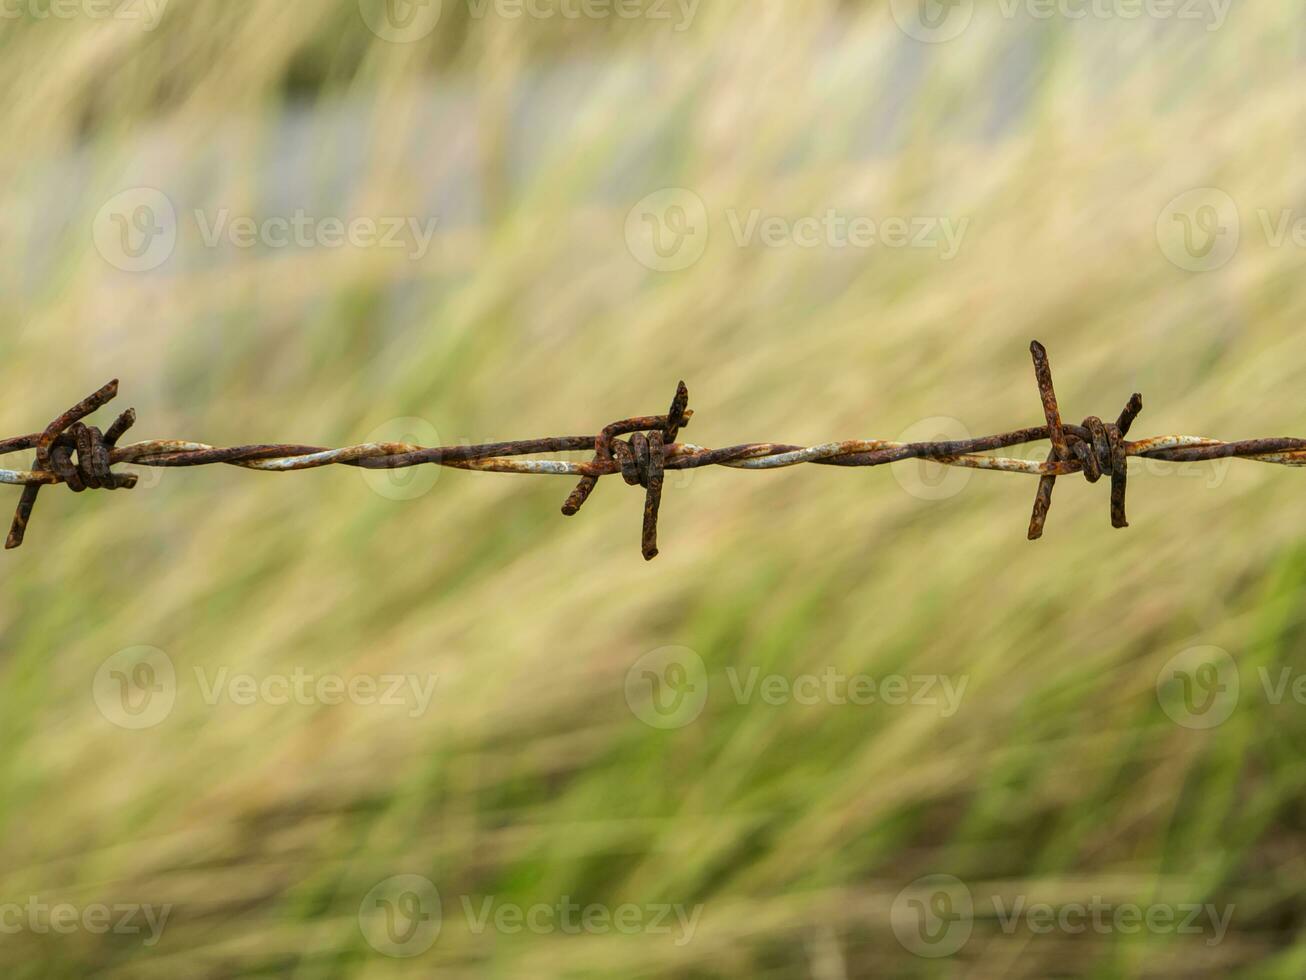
[{"x": 82, "y": 456}]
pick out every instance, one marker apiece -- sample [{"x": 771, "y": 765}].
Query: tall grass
[{"x": 529, "y": 778}]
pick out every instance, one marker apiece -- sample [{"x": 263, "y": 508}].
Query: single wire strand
[{"x": 81, "y": 456}]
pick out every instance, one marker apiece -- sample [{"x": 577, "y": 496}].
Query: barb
[{"x": 82, "y": 457}]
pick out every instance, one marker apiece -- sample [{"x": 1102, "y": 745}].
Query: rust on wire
[{"x": 82, "y": 457}]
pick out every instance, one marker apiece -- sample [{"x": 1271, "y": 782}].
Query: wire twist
[{"x": 82, "y": 457}]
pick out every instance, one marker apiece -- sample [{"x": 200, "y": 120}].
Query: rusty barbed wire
[{"x": 82, "y": 456}]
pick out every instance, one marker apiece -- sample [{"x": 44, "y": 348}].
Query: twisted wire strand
[{"x": 81, "y": 456}]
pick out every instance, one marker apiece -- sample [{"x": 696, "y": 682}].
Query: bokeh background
[{"x": 595, "y": 201}]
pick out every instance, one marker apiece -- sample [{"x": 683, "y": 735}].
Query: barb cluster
[{"x": 82, "y": 457}]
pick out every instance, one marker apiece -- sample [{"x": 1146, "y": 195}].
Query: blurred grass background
[{"x": 529, "y": 778}]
